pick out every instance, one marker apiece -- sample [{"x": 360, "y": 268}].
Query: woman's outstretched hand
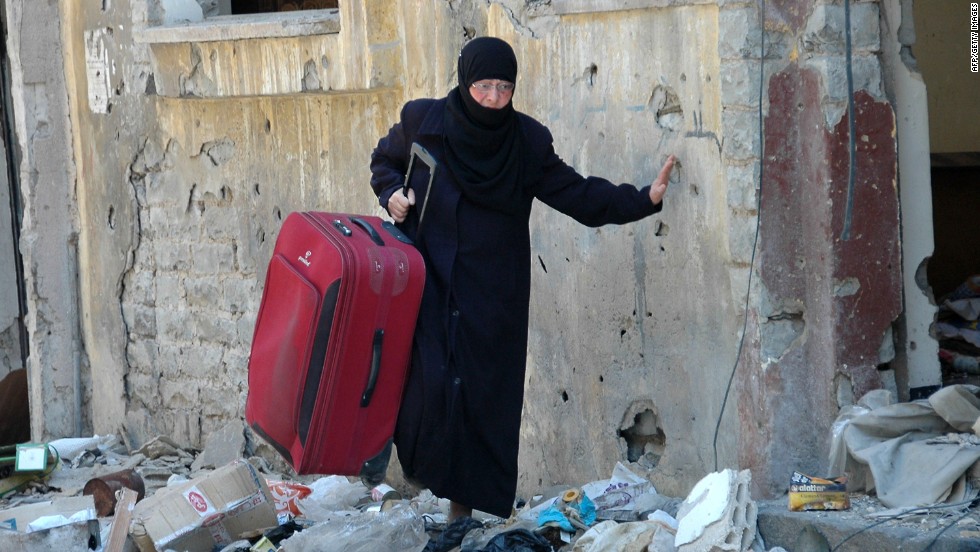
[
  {"x": 659, "y": 186},
  {"x": 398, "y": 204}
]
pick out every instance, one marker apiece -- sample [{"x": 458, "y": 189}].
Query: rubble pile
[
  {"x": 97, "y": 494},
  {"x": 166, "y": 497},
  {"x": 958, "y": 333}
]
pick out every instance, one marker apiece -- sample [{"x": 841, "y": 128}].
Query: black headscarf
[{"x": 484, "y": 147}]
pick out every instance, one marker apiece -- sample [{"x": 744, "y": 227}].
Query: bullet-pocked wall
[
  {"x": 202, "y": 143},
  {"x": 193, "y": 141},
  {"x": 618, "y": 365}
]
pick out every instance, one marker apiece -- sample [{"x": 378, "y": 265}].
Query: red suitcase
[{"x": 332, "y": 342}]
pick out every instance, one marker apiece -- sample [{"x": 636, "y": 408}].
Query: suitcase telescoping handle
[
  {"x": 418, "y": 152},
  {"x": 379, "y": 335}
]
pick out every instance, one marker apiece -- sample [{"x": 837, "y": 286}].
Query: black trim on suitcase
[
  {"x": 273, "y": 443},
  {"x": 317, "y": 357},
  {"x": 379, "y": 335}
]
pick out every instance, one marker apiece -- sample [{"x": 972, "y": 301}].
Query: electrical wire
[
  {"x": 943, "y": 530},
  {"x": 758, "y": 217},
  {"x": 922, "y": 510}
]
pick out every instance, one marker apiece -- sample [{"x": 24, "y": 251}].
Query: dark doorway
[
  {"x": 267, "y": 6},
  {"x": 14, "y": 411},
  {"x": 942, "y": 54}
]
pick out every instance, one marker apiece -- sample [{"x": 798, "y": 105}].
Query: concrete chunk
[{"x": 718, "y": 514}]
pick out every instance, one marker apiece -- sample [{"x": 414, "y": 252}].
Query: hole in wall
[
  {"x": 564, "y": 396},
  {"x": 644, "y": 437},
  {"x": 112, "y": 218},
  {"x": 667, "y": 107}
]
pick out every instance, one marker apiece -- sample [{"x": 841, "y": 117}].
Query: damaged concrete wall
[
  {"x": 194, "y": 152},
  {"x": 620, "y": 318},
  {"x": 182, "y": 202},
  {"x": 49, "y": 231},
  {"x": 209, "y": 212},
  {"x": 829, "y": 280},
  {"x": 193, "y": 142}
]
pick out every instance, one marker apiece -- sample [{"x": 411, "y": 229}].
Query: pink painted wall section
[
  {"x": 867, "y": 267},
  {"x": 825, "y": 303}
]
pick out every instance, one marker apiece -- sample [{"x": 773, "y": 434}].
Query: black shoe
[{"x": 453, "y": 535}]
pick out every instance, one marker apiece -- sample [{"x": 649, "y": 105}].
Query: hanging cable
[
  {"x": 758, "y": 217},
  {"x": 851, "y": 142}
]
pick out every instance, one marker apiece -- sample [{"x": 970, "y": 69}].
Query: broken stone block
[
  {"x": 718, "y": 514},
  {"x": 223, "y": 447},
  {"x": 159, "y": 446}
]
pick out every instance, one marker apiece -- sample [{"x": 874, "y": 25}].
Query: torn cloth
[{"x": 899, "y": 445}]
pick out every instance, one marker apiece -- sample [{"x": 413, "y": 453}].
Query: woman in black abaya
[{"x": 459, "y": 423}]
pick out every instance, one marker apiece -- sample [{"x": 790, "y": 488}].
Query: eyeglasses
[{"x": 501, "y": 87}]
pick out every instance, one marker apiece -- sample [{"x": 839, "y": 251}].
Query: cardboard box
[
  {"x": 815, "y": 493},
  {"x": 205, "y": 514}
]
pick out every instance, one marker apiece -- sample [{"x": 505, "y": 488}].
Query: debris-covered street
[{"x": 103, "y": 496}]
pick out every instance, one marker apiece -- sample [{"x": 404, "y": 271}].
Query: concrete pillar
[
  {"x": 49, "y": 232},
  {"x": 907, "y": 92},
  {"x": 827, "y": 267}
]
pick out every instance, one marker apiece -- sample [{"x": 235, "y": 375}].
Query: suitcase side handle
[
  {"x": 379, "y": 335},
  {"x": 375, "y": 236}
]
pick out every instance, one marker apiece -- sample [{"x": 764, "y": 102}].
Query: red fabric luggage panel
[{"x": 332, "y": 342}]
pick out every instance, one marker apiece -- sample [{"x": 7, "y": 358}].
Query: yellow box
[{"x": 814, "y": 493}]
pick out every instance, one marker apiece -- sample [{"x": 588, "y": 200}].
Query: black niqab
[{"x": 484, "y": 147}]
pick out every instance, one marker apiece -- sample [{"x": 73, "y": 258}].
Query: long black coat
[{"x": 459, "y": 423}]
